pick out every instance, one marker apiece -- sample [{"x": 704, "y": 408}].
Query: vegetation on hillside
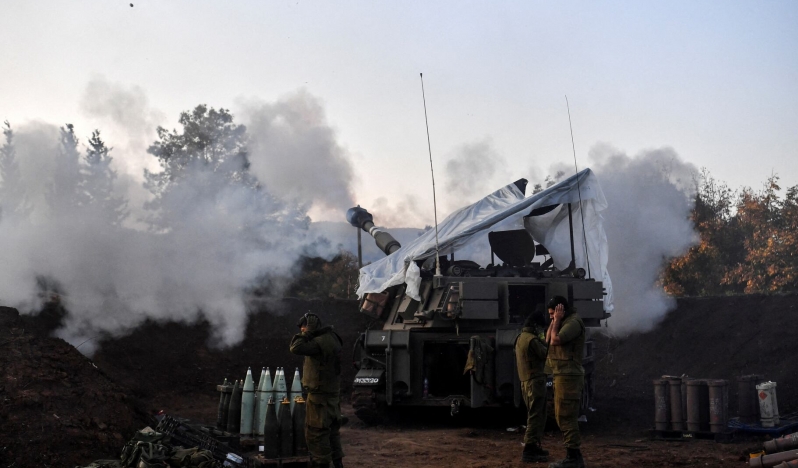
[{"x": 748, "y": 241}]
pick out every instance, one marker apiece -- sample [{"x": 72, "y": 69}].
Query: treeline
[
  {"x": 748, "y": 241},
  {"x": 204, "y": 197},
  {"x": 84, "y": 180}
]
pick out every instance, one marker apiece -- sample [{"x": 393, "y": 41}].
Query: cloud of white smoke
[
  {"x": 650, "y": 199},
  {"x": 216, "y": 239},
  {"x": 407, "y": 212},
  {"x": 294, "y": 151},
  {"x": 125, "y": 117}
]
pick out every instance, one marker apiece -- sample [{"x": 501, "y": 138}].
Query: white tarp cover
[{"x": 509, "y": 207}]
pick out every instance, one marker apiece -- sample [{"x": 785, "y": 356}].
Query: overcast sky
[{"x": 715, "y": 80}]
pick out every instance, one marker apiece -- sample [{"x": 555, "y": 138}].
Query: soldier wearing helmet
[{"x": 321, "y": 379}]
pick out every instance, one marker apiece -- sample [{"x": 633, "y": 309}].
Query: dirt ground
[
  {"x": 172, "y": 367},
  {"x": 436, "y": 440}
]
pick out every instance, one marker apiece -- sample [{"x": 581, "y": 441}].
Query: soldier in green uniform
[
  {"x": 530, "y": 357},
  {"x": 566, "y": 338},
  {"x": 321, "y": 379}
]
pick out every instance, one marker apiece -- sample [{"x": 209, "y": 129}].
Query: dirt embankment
[{"x": 57, "y": 408}]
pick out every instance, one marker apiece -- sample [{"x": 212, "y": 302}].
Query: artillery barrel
[{"x": 362, "y": 219}]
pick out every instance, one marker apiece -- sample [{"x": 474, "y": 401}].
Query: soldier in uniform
[
  {"x": 566, "y": 338},
  {"x": 321, "y": 379},
  {"x": 530, "y": 357}
]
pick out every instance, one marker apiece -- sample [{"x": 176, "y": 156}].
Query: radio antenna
[
  {"x": 578, "y": 188},
  {"x": 434, "y": 201}
]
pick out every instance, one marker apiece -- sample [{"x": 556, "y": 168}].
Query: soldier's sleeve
[
  {"x": 537, "y": 348},
  {"x": 570, "y": 331},
  {"x": 303, "y": 345}
]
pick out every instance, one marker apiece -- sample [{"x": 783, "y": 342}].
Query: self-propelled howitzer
[{"x": 453, "y": 345}]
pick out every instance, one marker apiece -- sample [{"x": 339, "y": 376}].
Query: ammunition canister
[
  {"x": 234, "y": 416},
  {"x": 718, "y": 405},
  {"x": 767, "y": 461},
  {"x": 263, "y": 396},
  {"x": 298, "y": 419},
  {"x": 747, "y": 400},
  {"x": 286, "y": 429},
  {"x": 675, "y": 393},
  {"x": 257, "y": 423},
  {"x": 247, "y": 404},
  {"x": 271, "y": 432},
  {"x": 693, "y": 410},
  {"x": 697, "y": 405},
  {"x": 788, "y": 442},
  {"x": 296, "y": 388},
  {"x": 221, "y": 417},
  {"x": 685, "y": 379},
  {"x": 768, "y": 404},
  {"x": 661, "y": 408},
  {"x": 280, "y": 390}
]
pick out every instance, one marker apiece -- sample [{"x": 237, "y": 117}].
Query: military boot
[
  {"x": 339, "y": 463},
  {"x": 573, "y": 459},
  {"x": 533, "y": 453}
]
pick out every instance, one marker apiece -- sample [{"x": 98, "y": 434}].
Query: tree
[
  {"x": 13, "y": 198},
  {"x": 210, "y": 140},
  {"x": 208, "y": 155},
  {"x": 321, "y": 279},
  {"x": 65, "y": 193},
  {"x": 205, "y": 179},
  {"x": 768, "y": 223},
  {"x": 701, "y": 271},
  {"x": 749, "y": 242},
  {"x": 98, "y": 182}
]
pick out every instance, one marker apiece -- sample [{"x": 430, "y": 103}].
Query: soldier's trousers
[
  {"x": 567, "y": 396},
  {"x": 322, "y": 427},
  {"x": 534, "y": 392}
]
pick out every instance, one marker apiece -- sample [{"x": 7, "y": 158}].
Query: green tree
[
  {"x": 208, "y": 153},
  {"x": 205, "y": 168},
  {"x": 98, "y": 182},
  {"x": 209, "y": 139},
  {"x": 65, "y": 192},
  {"x": 13, "y": 198}
]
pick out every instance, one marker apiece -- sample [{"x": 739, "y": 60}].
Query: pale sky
[{"x": 715, "y": 80}]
